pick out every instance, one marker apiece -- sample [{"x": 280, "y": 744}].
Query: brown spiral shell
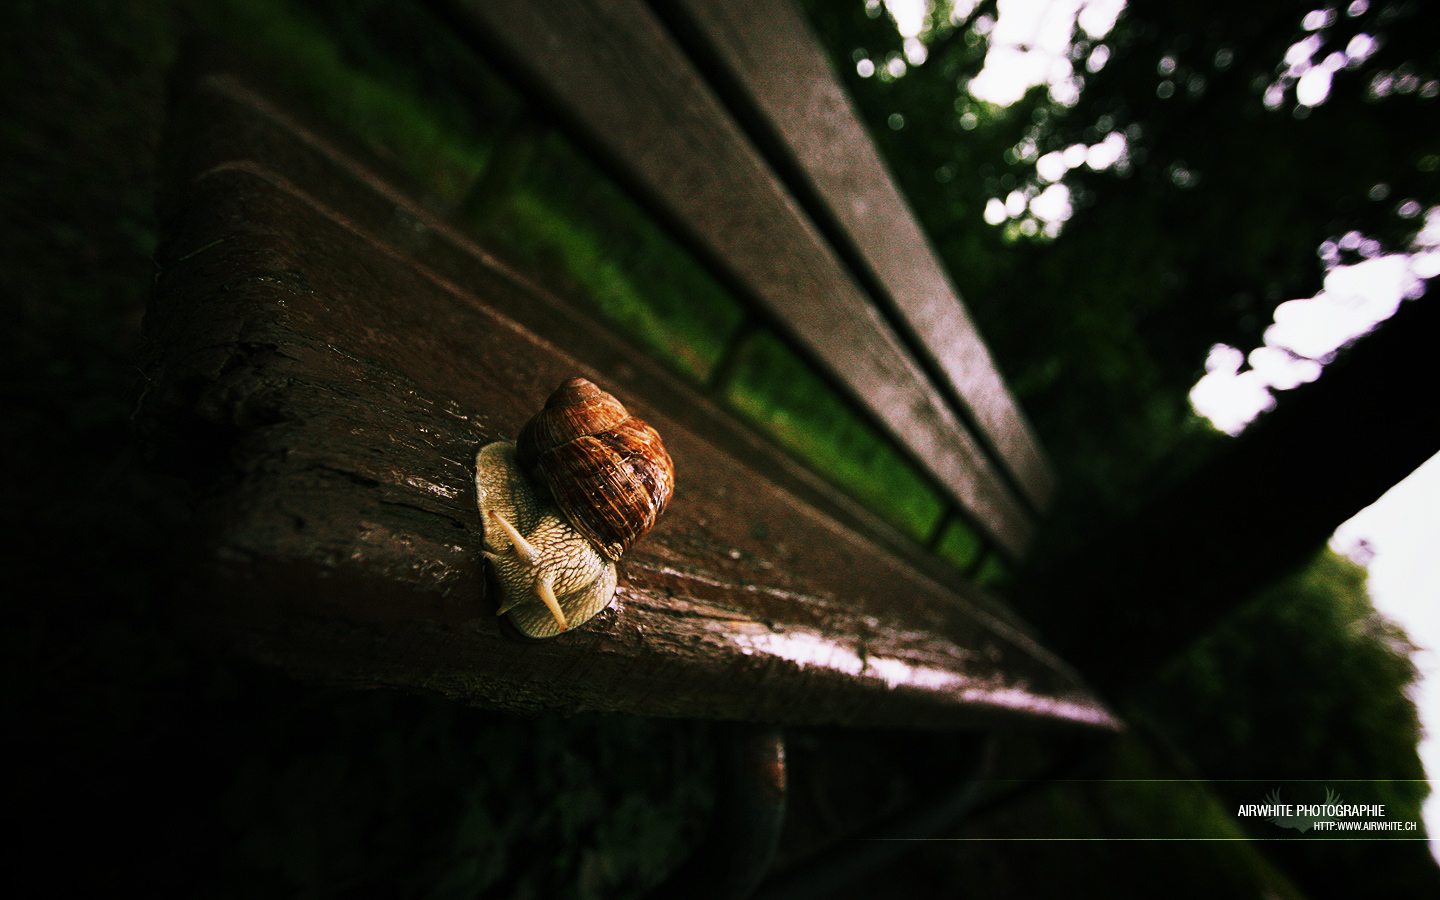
[{"x": 608, "y": 471}]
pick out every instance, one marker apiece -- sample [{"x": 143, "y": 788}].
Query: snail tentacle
[
  {"x": 543, "y": 587},
  {"x": 521, "y": 547}
]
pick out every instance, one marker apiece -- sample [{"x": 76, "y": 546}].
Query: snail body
[
  {"x": 551, "y": 576},
  {"x": 584, "y": 481}
]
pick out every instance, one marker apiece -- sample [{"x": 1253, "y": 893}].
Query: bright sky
[
  {"x": 1402, "y": 528},
  {"x": 1028, "y": 47}
]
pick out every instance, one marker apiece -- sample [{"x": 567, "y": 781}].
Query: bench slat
[
  {"x": 330, "y": 357},
  {"x": 767, "y": 49},
  {"x": 611, "y": 70}
]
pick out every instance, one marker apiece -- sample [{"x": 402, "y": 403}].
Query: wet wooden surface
[
  {"x": 765, "y": 61},
  {"x": 614, "y": 76},
  {"x": 328, "y": 356}
]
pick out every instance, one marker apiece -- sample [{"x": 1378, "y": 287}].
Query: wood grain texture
[
  {"x": 328, "y": 357},
  {"x": 769, "y": 54},
  {"x": 612, "y": 73}
]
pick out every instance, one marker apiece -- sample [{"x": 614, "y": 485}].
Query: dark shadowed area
[{"x": 1179, "y": 570}]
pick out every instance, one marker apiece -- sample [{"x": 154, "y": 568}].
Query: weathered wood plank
[
  {"x": 327, "y": 363},
  {"x": 334, "y": 175},
  {"x": 767, "y": 50},
  {"x": 611, "y": 70}
]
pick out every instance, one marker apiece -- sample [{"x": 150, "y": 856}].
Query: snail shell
[
  {"x": 583, "y": 483},
  {"x": 608, "y": 471}
]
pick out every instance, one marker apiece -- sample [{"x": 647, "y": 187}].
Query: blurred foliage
[
  {"x": 773, "y": 387},
  {"x": 961, "y": 544},
  {"x": 1306, "y": 688},
  {"x": 1216, "y": 219},
  {"x": 611, "y": 256},
  {"x": 410, "y": 91},
  {"x": 1112, "y": 816}
]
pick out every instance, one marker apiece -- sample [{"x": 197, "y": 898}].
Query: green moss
[
  {"x": 374, "y": 95},
  {"x": 993, "y": 572},
  {"x": 683, "y": 320},
  {"x": 774, "y": 388},
  {"x": 960, "y": 543}
]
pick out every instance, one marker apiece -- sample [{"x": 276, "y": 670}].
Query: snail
[{"x": 583, "y": 482}]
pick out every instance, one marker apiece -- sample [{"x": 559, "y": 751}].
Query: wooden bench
[{"x": 329, "y": 353}]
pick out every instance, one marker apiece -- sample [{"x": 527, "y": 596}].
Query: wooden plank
[
  {"x": 610, "y": 70},
  {"x": 328, "y": 362},
  {"x": 329, "y": 166},
  {"x": 767, "y": 50}
]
